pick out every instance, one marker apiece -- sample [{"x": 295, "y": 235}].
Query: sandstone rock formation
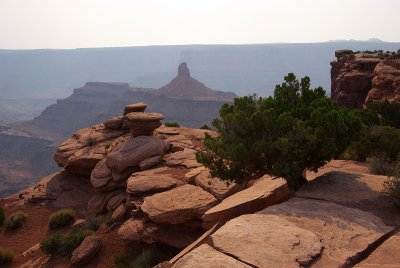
[
  {"x": 143, "y": 124},
  {"x": 359, "y": 78}
]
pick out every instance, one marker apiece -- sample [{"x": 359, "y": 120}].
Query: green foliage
[
  {"x": 297, "y": 129},
  {"x": 2, "y": 216},
  {"x": 380, "y": 165},
  {"x": 94, "y": 223},
  {"x": 172, "y": 124},
  {"x": 61, "y": 218},
  {"x": 150, "y": 257},
  {"x": 107, "y": 146},
  {"x": 6, "y": 255},
  {"x": 90, "y": 141},
  {"x": 392, "y": 185},
  {"x": 388, "y": 114},
  {"x": 61, "y": 244},
  {"x": 15, "y": 221},
  {"x": 120, "y": 260},
  {"x": 205, "y": 127}
]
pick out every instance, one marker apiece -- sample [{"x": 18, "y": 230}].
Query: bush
[
  {"x": 120, "y": 260},
  {"x": 94, "y": 223},
  {"x": 6, "y": 255},
  {"x": 297, "y": 129},
  {"x": 172, "y": 124},
  {"x": 61, "y": 218},
  {"x": 149, "y": 258},
  {"x": 380, "y": 165},
  {"x": 2, "y": 216},
  {"x": 61, "y": 244},
  {"x": 205, "y": 127},
  {"x": 15, "y": 220},
  {"x": 392, "y": 185}
]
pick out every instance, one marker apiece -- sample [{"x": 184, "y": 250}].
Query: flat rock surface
[
  {"x": 267, "y": 241},
  {"x": 135, "y": 150},
  {"x": 344, "y": 232},
  {"x": 265, "y": 192},
  {"x": 178, "y": 205},
  {"x": 206, "y": 257},
  {"x": 185, "y": 158},
  {"x": 215, "y": 186}
]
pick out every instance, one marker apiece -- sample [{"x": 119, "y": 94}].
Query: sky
[{"x": 35, "y": 24}]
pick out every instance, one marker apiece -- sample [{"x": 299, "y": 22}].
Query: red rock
[{"x": 86, "y": 251}]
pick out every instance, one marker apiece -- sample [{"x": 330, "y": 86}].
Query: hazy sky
[{"x": 105, "y": 23}]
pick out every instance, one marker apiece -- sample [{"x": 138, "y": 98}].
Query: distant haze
[{"x": 104, "y": 23}]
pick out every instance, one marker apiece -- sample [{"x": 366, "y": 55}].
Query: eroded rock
[{"x": 86, "y": 251}]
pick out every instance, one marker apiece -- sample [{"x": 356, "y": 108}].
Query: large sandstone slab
[
  {"x": 215, "y": 186},
  {"x": 178, "y": 205},
  {"x": 267, "y": 241},
  {"x": 386, "y": 255},
  {"x": 344, "y": 232},
  {"x": 265, "y": 192},
  {"x": 205, "y": 256},
  {"x": 135, "y": 150},
  {"x": 185, "y": 158}
]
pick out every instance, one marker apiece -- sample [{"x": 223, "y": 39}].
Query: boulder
[
  {"x": 135, "y": 150},
  {"x": 265, "y": 192},
  {"x": 168, "y": 130},
  {"x": 150, "y": 162},
  {"x": 181, "y": 141},
  {"x": 178, "y": 205},
  {"x": 205, "y": 256},
  {"x": 100, "y": 202},
  {"x": 133, "y": 229},
  {"x": 139, "y": 183},
  {"x": 191, "y": 175},
  {"x": 143, "y": 124},
  {"x": 185, "y": 158},
  {"x": 84, "y": 160},
  {"x": 345, "y": 233},
  {"x": 86, "y": 137},
  {"x": 86, "y": 251},
  {"x": 267, "y": 241},
  {"x": 119, "y": 213},
  {"x": 215, "y": 186},
  {"x": 135, "y": 108},
  {"x": 114, "y": 123}
]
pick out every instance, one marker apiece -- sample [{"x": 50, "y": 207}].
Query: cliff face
[{"x": 358, "y": 78}]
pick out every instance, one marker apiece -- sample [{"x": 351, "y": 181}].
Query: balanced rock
[
  {"x": 265, "y": 192},
  {"x": 135, "y": 150},
  {"x": 345, "y": 232},
  {"x": 267, "y": 241},
  {"x": 205, "y": 256},
  {"x": 135, "y": 108},
  {"x": 86, "y": 251},
  {"x": 178, "y": 205},
  {"x": 143, "y": 124}
]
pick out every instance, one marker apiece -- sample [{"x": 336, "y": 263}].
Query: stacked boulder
[{"x": 131, "y": 163}]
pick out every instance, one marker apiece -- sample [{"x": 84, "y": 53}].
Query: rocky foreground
[{"x": 131, "y": 162}]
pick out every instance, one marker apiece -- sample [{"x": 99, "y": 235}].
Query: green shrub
[
  {"x": 299, "y": 128},
  {"x": 205, "y": 127},
  {"x": 6, "y": 255},
  {"x": 120, "y": 260},
  {"x": 61, "y": 244},
  {"x": 90, "y": 141},
  {"x": 94, "y": 223},
  {"x": 53, "y": 243},
  {"x": 2, "y": 216},
  {"x": 149, "y": 258},
  {"x": 15, "y": 220},
  {"x": 107, "y": 146},
  {"x": 61, "y": 218},
  {"x": 172, "y": 124},
  {"x": 380, "y": 165},
  {"x": 392, "y": 185}
]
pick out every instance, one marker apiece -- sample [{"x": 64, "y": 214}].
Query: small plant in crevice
[
  {"x": 152, "y": 256},
  {"x": 6, "y": 255},
  {"x": 107, "y": 146},
  {"x": 120, "y": 260},
  {"x": 205, "y": 127},
  {"x": 172, "y": 124},
  {"x": 94, "y": 223},
  {"x": 90, "y": 141},
  {"x": 62, "y": 218},
  {"x": 15, "y": 221},
  {"x": 392, "y": 185}
]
